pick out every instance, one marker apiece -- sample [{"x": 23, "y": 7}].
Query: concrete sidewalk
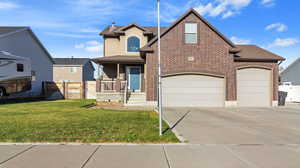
[{"x": 149, "y": 156}]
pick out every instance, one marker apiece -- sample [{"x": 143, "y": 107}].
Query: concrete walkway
[{"x": 149, "y": 156}]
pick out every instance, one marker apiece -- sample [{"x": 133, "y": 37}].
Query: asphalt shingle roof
[
  {"x": 250, "y": 52},
  {"x": 71, "y": 61}
]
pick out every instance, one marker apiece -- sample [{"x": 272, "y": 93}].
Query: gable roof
[
  {"x": 291, "y": 65},
  {"x": 6, "y": 31},
  {"x": 119, "y": 30},
  {"x": 190, "y": 11},
  {"x": 71, "y": 61},
  {"x": 253, "y": 52}
]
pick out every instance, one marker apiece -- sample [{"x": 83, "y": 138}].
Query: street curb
[{"x": 91, "y": 144}]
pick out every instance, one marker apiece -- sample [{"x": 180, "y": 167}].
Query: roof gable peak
[{"x": 186, "y": 14}]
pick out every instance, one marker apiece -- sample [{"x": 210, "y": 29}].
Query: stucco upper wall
[{"x": 118, "y": 46}]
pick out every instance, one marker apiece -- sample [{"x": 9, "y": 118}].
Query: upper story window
[
  {"x": 133, "y": 44},
  {"x": 73, "y": 69},
  {"x": 191, "y": 33}
]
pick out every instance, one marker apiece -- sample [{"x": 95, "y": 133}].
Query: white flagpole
[{"x": 159, "y": 70}]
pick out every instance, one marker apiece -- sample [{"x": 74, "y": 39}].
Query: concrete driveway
[{"x": 239, "y": 126}]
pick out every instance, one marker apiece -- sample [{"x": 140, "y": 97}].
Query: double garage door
[
  {"x": 193, "y": 91},
  {"x": 253, "y": 89}
]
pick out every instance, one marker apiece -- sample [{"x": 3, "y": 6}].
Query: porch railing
[
  {"x": 112, "y": 86},
  {"x": 108, "y": 86}
]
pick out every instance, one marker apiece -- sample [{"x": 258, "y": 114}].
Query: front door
[{"x": 134, "y": 78}]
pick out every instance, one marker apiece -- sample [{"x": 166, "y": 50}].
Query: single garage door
[
  {"x": 193, "y": 91},
  {"x": 254, "y": 87}
]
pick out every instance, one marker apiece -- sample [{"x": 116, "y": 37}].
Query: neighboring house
[
  {"x": 290, "y": 80},
  {"x": 73, "y": 70},
  {"x": 23, "y": 42},
  {"x": 291, "y": 73},
  {"x": 200, "y": 66}
]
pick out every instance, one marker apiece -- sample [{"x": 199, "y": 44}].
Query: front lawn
[{"x": 69, "y": 121}]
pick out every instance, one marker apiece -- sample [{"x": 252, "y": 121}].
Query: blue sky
[{"x": 71, "y": 27}]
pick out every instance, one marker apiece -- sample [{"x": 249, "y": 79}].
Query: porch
[{"x": 122, "y": 77}]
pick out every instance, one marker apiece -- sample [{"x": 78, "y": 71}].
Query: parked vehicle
[{"x": 15, "y": 74}]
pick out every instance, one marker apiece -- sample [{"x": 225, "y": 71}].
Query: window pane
[
  {"x": 20, "y": 68},
  {"x": 73, "y": 69},
  {"x": 191, "y": 38},
  {"x": 191, "y": 28},
  {"x": 133, "y": 44}
]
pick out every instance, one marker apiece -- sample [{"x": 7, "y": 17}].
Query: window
[
  {"x": 133, "y": 44},
  {"x": 20, "y": 68},
  {"x": 73, "y": 69},
  {"x": 190, "y": 33}
]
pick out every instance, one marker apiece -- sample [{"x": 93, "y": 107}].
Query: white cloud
[
  {"x": 286, "y": 42},
  {"x": 268, "y": 3},
  {"x": 8, "y": 5},
  {"x": 79, "y": 46},
  {"x": 279, "y": 27},
  {"x": 237, "y": 40},
  {"x": 223, "y": 8},
  {"x": 214, "y": 8},
  {"x": 90, "y": 46}
]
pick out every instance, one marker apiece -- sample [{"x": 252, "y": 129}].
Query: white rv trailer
[{"x": 15, "y": 74}]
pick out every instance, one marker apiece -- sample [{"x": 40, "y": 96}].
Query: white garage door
[
  {"x": 254, "y": 87},
  {"x": 193, "y": 91}
]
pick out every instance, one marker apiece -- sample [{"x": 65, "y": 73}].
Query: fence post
[
  {"x": 44, "y": 91},
  {"x": 118, "y": 85},
  {"x": 98, "y": 86},
  {"x": 65, "y": 87},
  {"x": 83, "y": 90}
]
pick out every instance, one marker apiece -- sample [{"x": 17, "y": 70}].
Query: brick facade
[{"x": 210, "y": 55}]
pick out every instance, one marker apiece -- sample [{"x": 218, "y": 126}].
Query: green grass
[{"x": 68, "y": 121}]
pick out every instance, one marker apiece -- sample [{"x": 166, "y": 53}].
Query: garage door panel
[
  {"x": 203, "y": 90},
  {"x": 193, "y": 90},
  {"x": 195, "y": 84},
  {"x": 254, "y": 87}
]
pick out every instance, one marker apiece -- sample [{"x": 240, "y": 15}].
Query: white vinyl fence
[{"x": 293, "y": 92}]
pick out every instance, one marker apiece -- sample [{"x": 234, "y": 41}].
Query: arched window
[{"x": 133, "y": 44}]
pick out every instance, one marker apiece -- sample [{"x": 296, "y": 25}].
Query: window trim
[
  {"x": 197, "y": 33},
  {"x": 126, "y": 42}
]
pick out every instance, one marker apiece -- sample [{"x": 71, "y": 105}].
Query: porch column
[{"x": 118, "y": 71}]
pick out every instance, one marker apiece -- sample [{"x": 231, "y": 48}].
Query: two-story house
[
  {"x": 200, "y": 67},
  {"x": 73, "y": 70}
]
